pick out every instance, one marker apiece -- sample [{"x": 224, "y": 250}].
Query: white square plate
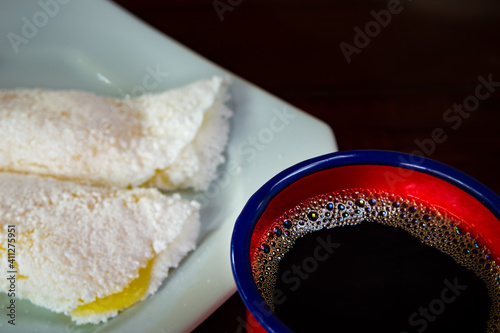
[{"x": 94, "y": 45}]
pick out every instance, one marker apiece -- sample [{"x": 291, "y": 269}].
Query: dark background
[{"x": 393, "y": 94}]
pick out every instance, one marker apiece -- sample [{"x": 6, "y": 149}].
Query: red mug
[{"x": 476, "y": 206}]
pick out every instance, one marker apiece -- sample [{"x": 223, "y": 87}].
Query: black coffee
[
  {"x": 373, "y": 278},
  {"x": 399, "y": 265}
]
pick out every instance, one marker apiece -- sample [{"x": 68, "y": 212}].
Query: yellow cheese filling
[{"x": 120, "y": 300}]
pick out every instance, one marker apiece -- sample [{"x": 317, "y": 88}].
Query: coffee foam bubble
[{"x": 432, "y": 226}]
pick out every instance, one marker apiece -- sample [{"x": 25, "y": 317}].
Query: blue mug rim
[{"x": 258, "y": 202}]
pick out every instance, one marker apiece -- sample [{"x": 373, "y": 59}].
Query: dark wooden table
[{"x": 410, "y": 76}]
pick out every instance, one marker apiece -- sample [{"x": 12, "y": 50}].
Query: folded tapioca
[
  {"x": 86, "y": 251},
  {"x": 170, "y": 140}
]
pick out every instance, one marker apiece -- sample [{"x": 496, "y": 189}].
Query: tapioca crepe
[
  {"x": 79, "y": 180},
  {"x": 169, "y": 140},
  {"x": 88, "y": 251}
]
